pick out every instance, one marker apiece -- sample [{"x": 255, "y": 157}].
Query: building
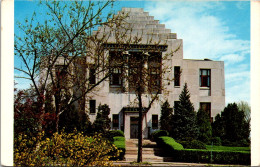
[{"x": 205, "y": 78}]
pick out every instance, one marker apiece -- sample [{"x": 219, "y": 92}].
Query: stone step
[
  {"x": 150, "y": 158},
  {"x": 134, "y": 152},
  {"x": 145, "y": 150}
]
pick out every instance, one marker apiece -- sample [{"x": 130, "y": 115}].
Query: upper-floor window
[
  {"x": 92, "y": 106},
  {"x": 61, "y": 74},
  {"x": 115, "y": 77},
  {"x": 154, "y": 68},
  {"x": 206, "y": 107},
  {"x": 177, "y": 74},
  {"x": 204, "y": 78},
  {"x": 116, "y": 64},
  {"x": 154, "y": 121},
  {"x": 92, "y": 75}
]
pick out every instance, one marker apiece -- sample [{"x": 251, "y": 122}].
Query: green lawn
[{"x": 226, "y": 148}]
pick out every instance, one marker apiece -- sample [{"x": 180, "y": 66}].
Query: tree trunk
[
  {"x": 140, "y": 120},
  {"x": 140, "y": 129}
]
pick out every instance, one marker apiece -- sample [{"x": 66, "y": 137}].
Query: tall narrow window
[
  {"x": 116, "y": 65},
  {"x": 92, "y": 76},
  {"x": 154, "y": 67},
  {"x": 204, "y": 78},
  {"x": 92, "y": 106},
  {"x": 61, "y": 74},
  {"x": 177, "y": 74},
  {"x": 206, "y": 107},
  {"x": 115, "y": 121},
  {"x": 155, "y": 121}
]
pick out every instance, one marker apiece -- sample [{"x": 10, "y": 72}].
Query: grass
[
  {"x": 119, "y": 141},
  {"x": 226, "y": 148}
]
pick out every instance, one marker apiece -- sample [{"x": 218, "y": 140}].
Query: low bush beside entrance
[
  {"x": 117, "y": 137},
  {"x": 119, "y": 142},
  {"x": 212, "y": 154}
]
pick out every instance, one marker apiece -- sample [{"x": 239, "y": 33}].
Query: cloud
[
  {"x": 232, "y": 58},
  {"x": 205, "y": 34}
]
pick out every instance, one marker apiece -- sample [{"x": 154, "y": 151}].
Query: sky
[{"x": 218, "y": 30}]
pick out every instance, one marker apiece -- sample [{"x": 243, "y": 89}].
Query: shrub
[
  {"x": 119, "y": 142},
  {"x": 176, "y": 151},
  {"x": 114, "y": 133},
  {"x": 218, "y": 157},
  {"x": 216, "y": 141},
  {"x": 158, "y": 133},
  {"x": 193, "y": 144},
  {"x": 73, "y": 149},
  {"x": 168, "y": 142}
]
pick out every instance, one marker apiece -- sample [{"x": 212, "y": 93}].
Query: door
[{"x": 133, "y": 127}]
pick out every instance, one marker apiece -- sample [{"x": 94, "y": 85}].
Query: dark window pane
[
  {"x": 115, "y": 120},
  {"x": 92, "y": 76},
  {"x": 155, "y": 121},
  {"x": 177, "y": 74},
  {"x": 92, "y": 106}
]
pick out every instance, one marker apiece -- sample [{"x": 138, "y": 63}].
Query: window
[
  {"x": 205, "y": 78},
  {"x": 116, "y": 65},
  {"x": 155, "y": 121},
  {"x": 61, "y": 74},
  {"x": 206, "y": 107},
  {"x": 154, "y": 67},
  {"x": 115, "y": 121},
  {"x": 177, "y": 74},
  {"x": 134, "y": 62},
  {"x": 176, "y": 104},
  {"x": 115, "y": 78},
  {"x": 92, "y": 106},
  {"x": 92, "y": 76}
]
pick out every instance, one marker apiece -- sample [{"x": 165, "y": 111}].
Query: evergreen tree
[
  {"x": 218, "y": 127},
  {"x": 232, "y": 127},
  {"x": 184, "y": 118},
  {"x": 204, "y": 126},
  {"x": 102, "y": 122},
  {"x": 166, "y": 115}
]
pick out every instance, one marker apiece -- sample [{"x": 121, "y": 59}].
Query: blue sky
[{"x": 218, "y": 30}]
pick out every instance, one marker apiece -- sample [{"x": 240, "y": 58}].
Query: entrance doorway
[{"x": 133, "y": 127}]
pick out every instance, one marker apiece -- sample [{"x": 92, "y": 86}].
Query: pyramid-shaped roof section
[{"x": 141, "y": 22}]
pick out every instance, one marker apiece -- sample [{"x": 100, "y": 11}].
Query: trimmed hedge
[
  {"x": 168, "y": 142},
  {"x": 119, "y": 142},
  {"x": 193, "y": 144},
  {"x": 158, "y": 133},
  {"x": 174, "y": 149}
]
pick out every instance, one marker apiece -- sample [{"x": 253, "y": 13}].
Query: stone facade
[{"x": 205, "y": 79}]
